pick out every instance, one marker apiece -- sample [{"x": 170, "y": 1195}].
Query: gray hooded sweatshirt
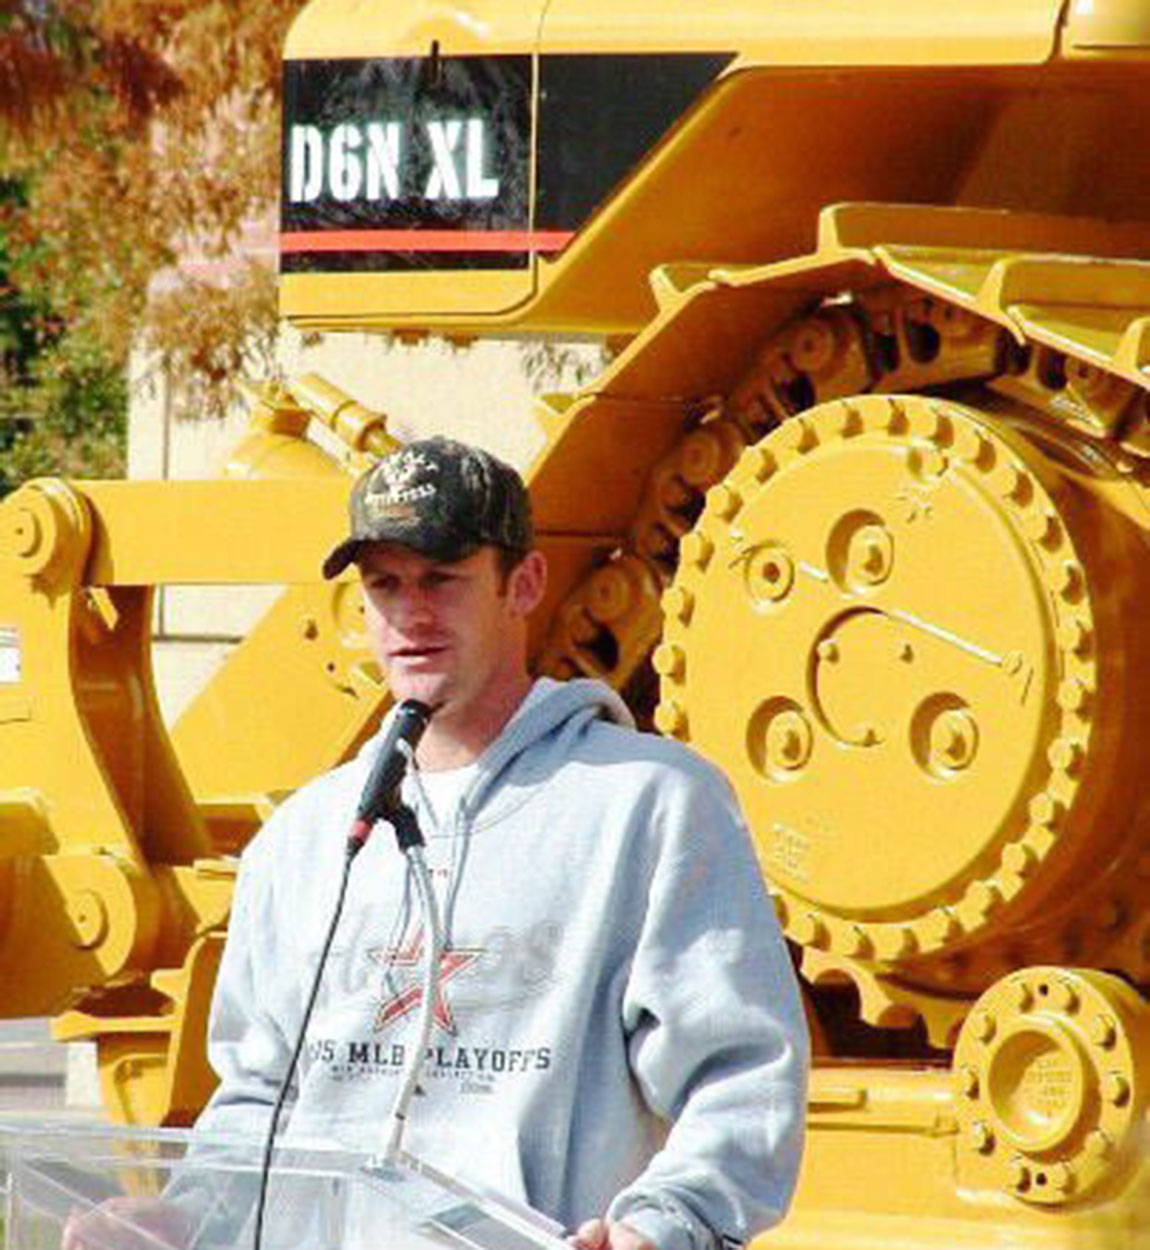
[{"x": 617, "y": 1028}]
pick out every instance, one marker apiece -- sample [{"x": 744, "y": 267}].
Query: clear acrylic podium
[{"x": 129, "y": 1189}]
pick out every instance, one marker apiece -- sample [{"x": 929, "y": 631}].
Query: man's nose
[{"x": 416, "y": 608}]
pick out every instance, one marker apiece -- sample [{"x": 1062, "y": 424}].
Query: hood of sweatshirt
[{"x": 539, "y": 736}]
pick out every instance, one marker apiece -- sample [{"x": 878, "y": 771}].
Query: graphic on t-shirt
[{"x": 403, "y": 982}]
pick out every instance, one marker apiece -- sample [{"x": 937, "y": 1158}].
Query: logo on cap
[{"x": 395, "y": 482}]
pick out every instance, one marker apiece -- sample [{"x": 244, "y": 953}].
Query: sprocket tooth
[
  {"x": 943, "y": 1018},
  {"x": 885, "y": 1003},
  {"x": 876, "y": 1006},
  {"x": 821, "y": 968}
]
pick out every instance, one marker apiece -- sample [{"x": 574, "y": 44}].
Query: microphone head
[
  {"x": 411, "y": 718},
  {"x": 404, "y": 730}
]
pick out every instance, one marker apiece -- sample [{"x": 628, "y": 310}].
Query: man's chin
[{"x": 432, "y": 689}]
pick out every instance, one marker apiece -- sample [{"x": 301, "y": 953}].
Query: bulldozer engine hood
[{"x": 483, "y": 164}]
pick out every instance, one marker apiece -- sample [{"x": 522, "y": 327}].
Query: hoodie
[{"x": 617, "y": 1026}]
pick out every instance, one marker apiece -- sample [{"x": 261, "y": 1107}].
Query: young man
[{"x": 617, "y": 1037}]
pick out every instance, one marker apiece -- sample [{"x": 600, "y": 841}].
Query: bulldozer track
[{"x": 893, "y": 339}]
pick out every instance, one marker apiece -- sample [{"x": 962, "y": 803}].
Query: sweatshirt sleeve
[
  {"x": 716, "y": 1035},
  {"x": 246, "y": 1045},
  {"x": 215, "y": 1184}
]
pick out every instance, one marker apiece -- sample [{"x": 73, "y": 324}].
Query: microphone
[{"x": 381, "y": 792}]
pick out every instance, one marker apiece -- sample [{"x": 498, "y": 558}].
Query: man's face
[{"x": 450, "y": 635}]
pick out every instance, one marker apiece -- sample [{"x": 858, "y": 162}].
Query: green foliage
[
  {"x": 133, "y": 133},
  {"x": 66, "y": 417},
  {"x": 63, "y": 398}
]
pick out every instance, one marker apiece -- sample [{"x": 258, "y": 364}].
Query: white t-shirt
[{"x": 443, "y": 788}]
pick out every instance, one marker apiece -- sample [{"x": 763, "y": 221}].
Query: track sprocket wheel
[{"x": 886, "y": 626}]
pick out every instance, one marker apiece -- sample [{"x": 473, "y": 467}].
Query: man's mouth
[{"x": 418, "y": 653}]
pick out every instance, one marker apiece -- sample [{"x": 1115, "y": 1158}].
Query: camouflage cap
[{"x": 441, "y": 498}]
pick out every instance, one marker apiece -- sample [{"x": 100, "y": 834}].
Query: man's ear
[{"x": 527, "y": 582}]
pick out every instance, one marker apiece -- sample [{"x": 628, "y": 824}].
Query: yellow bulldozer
[{"x": 859, "y": 509}]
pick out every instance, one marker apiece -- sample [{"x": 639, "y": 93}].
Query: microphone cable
[
  {"x": 350, "y": 852},
  {"x": 379, "y": 798}
]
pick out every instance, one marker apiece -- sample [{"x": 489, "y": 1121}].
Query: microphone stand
[
  {"x": 380, "y": 797},
  {"x": 526, "y": 1225},
  {"x": 411, "y": 843}
]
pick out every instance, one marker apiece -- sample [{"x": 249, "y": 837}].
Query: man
[{"x": 617, "y": 1035}]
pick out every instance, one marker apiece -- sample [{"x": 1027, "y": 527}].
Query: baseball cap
[{"x": 439, "y": 497}]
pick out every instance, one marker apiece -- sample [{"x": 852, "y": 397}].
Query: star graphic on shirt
[{"x": 409, "y": 959}]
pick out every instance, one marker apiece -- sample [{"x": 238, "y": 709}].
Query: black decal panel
[
  {"x": 425, "y": 163},
  {"x": 599, "y": 116},
  {"x": 406, "y": 163}
]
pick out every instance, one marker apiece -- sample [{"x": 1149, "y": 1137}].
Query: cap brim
[
  {"x": 447, "y": 550},
  {"x": 340, "y": 557}
]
